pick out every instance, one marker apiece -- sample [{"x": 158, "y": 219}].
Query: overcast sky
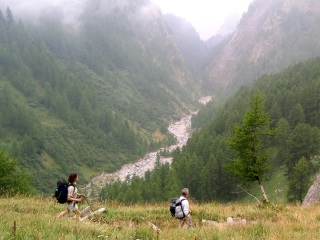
[{"x": 206, "y": 16}]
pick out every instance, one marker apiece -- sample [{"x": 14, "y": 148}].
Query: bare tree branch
[{"x": 250, "y": 194}]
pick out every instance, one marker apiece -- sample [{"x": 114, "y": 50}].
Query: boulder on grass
[{"x": 313, "y": 195}]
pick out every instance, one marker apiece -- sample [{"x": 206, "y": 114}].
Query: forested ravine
[{"x": 181, "y": 131}]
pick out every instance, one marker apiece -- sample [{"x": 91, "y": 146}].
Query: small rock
[{"x": 210, "y": 222}]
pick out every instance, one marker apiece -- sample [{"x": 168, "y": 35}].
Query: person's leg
[
  {"x": 78, "y": 214},
  {"x": 180, "y": 223},
  {"x": 74, "y": 208},
  {"x": 190, "y": 221},
  {"x": 63, "y": 213}
]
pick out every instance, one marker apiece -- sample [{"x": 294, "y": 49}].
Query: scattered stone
[
  {"x": 210, "y": 222},
  {"x": 235, "y": 221}
]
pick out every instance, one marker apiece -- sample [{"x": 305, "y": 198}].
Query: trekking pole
[
  {"x": 87, "y": 201},
  {"x": 87, "y": 210}
]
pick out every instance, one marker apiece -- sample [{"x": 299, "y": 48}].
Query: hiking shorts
[{"x": 72, "y": 207}]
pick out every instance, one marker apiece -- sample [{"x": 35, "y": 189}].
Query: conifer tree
[
  {"x": 172, "y": 185},
  {"x": 9, "y": 17},
  {"x": 12, "y": 179},
  {"x": 251, "y": 161},
  {"x": 281, "y": 139},
  {"x": 300, "y": 180},
  {"x": 303, "y": 141}
]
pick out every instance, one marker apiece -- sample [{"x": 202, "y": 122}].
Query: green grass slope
[{"x": 35, "y": 218}]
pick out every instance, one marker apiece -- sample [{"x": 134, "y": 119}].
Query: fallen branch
[
  {"x": 250, "y": 194},
  {"x": 87, "y": 212}
]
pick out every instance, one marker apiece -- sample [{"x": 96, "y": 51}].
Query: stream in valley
[{"x": 181, "y": 131}]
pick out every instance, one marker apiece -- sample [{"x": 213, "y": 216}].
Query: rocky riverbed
[{"x": 180, "y": 130}]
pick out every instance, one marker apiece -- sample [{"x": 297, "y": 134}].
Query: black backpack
[
  {"x": 61, "y": 193},
  {"x": 175, "y": 202}
]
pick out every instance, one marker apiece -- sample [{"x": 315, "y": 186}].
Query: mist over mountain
[
  {"x": 229, "y": 25},
  {"x": 68, "y": 12},
  {"x": 193, "y": 49}
]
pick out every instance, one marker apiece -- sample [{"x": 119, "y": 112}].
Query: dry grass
[
  {"x": 158, "y": 136},
  {"x": 35, "y": 218}
]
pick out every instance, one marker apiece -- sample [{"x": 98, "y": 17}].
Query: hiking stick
[
  {"x": 87, "y": 210},
  {"x": 87, "y": 202}
]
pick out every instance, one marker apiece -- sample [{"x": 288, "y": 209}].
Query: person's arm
[
  {"x": 186, "y": 210},
  {"x": 70, "y": 195},
  {"x": 72, "y": 199},
  {"x": 186, "y": 218}
]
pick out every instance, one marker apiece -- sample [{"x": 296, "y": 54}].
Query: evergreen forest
[{"x": 73, "y": 103}]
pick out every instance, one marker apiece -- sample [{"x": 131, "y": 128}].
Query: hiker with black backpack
[
  {"x": 73, "y": 197},
  {"x": 182, "y": 210}
]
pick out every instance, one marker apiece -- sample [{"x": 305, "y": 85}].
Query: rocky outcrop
[{"x": 313, "y": 195}]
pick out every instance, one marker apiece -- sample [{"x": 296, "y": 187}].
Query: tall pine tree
[{"x": 251, "y": 161}]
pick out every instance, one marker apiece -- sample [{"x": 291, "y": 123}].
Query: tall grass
[{"x": 35, "y": 218}]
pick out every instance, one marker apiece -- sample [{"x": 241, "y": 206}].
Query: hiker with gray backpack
[
  {"x": 179, "y": 208},
  {"x": 69, "y": 194}
]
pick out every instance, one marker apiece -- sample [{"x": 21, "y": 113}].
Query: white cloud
[
  {"x": 205, "y": 15},
  {"x": 69, "y": 10}
]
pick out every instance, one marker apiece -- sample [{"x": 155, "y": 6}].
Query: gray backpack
[{"x": 179, "y": 209}]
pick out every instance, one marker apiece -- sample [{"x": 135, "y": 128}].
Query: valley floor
[
  {"x": 180, "y": 130},
  {"x": 35, "y": 218}
]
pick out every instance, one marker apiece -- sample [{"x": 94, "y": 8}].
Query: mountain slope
[
  {"x": 88, "y": 95},
  {"x": 292, "y": 100},
  {"x": 270, "y": 36},
  {"x": 192, "y": 48}
]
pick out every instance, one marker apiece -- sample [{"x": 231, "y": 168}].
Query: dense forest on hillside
[
  {"x": 73, "y": 102},
  {"x": 44, "y": 106},
  {"x": 292, "y": 99}
]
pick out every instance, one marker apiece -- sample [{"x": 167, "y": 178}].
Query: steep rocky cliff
[{"x": 270, "y": 36}]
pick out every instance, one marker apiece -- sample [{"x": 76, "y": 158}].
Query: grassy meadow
[{"x": 35, "y": 218}]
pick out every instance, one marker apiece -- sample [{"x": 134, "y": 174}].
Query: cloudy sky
[{"x": 205, "y": 15}]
